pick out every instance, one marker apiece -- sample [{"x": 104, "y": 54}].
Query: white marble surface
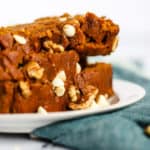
[{"x": 24, "y": 142}]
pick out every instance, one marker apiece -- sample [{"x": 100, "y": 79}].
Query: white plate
[{"x": 127, "y": 92}]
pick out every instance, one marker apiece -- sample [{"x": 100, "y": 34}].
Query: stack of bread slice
[{"x": 43, "y": 64}]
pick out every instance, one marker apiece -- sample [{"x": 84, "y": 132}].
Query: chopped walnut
[
  {"x": 50, "y": 45},
  {"x": 20, "y": 39},
  {"x": 85, "y": 103},
  {"x": 74, "y": 22},
  {"x": 34, "y": 70},
  {"x": 25, "y": 89},
  {"x": 73, "y": 93},
  {"x": 69, "y": 30}
]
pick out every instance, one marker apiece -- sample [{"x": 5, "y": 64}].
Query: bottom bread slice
[{"x": 55, "y": 82}]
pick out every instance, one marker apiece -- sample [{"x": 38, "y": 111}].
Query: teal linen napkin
[{"x": 118, "y": 130}]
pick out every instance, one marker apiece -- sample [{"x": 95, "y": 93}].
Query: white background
[{"x": 131, "y": 15}]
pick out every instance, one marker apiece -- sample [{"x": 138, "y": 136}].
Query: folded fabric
[{"x": 119, "y": 130}]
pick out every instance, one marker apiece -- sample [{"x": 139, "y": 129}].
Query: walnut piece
[
  {"x": 76, "y": 22},
  {"x": 34, "y": 70},
  {"x": 86, "y": 103},
  {"x": 20, "y": 39},
  {"x": 69, "y": 30},
  {"x": 25, "y": 89},
  {"x": 73, "y": 93},
  {"x": 50, "y": 45}
]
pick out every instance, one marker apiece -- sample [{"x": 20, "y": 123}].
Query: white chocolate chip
[
  {"x": 102, "y": 101},
  {"x": 94, "y": 106},
  {"x": 34, "y": 70},
  {"x": 73, "y": 93},
  {"x": 41, "y": 110},
  {"x": 20, "y": 39},
  {"x": 58, "y": 83},
  {"x": 115, "y": 44},
  {"x": 78, "y": 68},
  {"x": 60, "y": 90},
  {"x": 62, "y": 19},
  {"x": 69, "y": 30},
  {"x": 61, "y": 75},
  {"x": 25, "y": 89}
]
